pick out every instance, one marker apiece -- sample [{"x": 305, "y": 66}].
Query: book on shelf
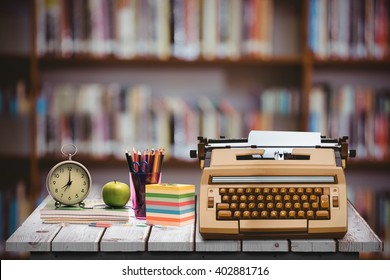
[
  {"x": 15, "y": 208},
  {"x": 185, "y": 17},
  {"x": 279, "y": 109},
  {"x": 230, "y": 121},
  {"x": 258, "y": 27},
  {"x": 349, "y": 28},
  {"x": 15, "y": 118},
  {"x": 94, "y": 211},
  {"x": 186, "y": 29},
  {"x": 133, "y": 116},
  {"x": 318, "y": 110},
  {"x": 124, "y": 28},
  {"x": 14, "y": 101},
  {"x": 209, "y": 120},
  {"x": 361, "y": 112}
]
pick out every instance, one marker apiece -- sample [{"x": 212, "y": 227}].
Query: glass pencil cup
[{"x": 138, "y": 181}]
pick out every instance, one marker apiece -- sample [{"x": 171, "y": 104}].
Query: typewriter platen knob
[{"x": 193, "y": 153}]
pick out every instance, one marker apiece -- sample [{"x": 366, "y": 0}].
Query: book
[
  {"x": 186, "y": 29},
  {"x": 349, "y": 28},
  {"x": 94, "y": 211},
  {"x": 186, "y": 24},
  {"x": 105, "y": 120},
  {"x": 361, "y": 112},
  {"x": 318, "y": 110}
]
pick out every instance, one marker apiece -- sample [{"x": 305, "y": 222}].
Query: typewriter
[{"x": 273, "y": 184}]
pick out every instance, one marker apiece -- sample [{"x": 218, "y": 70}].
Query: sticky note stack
[{"x": 170, "y": 204}]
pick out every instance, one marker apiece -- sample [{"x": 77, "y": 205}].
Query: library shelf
[
  {"x": 358, "y": 64},
  {"x": 13, "y": 168},
  {"x": 14, "y": 67},
  {"x": 50, "y": 62},
  {"x": 368, "y": 165},
  {"x": 292, "y": 21},
  {"x": 15, "y": 58},
  {"x": 13, "y": 158}
]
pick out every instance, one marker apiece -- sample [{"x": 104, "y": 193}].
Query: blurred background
[{"x": 113, "y": 75}]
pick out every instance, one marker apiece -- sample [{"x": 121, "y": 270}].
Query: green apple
[{"x": 116, "y": 194}]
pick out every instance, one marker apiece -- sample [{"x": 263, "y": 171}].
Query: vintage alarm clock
[{"x": 69, "y": 182}]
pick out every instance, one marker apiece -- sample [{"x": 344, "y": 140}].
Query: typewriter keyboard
[{"x": 273, "y": 203}]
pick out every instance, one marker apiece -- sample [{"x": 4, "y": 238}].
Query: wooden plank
[
  {"x": 78, "y": 238},
  {"x": 169, "y": 238},
  {"x": 32, "y": 238},
  {"x": 203, "y": 245},
  {"x": 129, "y": 237},
  {"x": 313, "y": 245},
  {"x": 32, "y": 235},
  {"x": 275, "y": 245},
  {"x": 360, "y": 237}
]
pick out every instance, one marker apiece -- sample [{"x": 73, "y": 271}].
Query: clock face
[{"x": 69, "y": 182}]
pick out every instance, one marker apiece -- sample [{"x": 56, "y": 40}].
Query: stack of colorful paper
[{"x": 170, "y": 204}]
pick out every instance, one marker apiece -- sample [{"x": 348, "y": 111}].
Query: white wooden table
[{"x": 132, "y": 241}]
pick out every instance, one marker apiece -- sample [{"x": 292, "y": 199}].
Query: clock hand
[{"x": 66, "y": 186}]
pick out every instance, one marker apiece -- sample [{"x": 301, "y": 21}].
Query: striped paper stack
[{"x": 170, "y": 204}]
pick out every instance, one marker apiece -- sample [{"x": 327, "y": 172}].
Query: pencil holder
[{"x": 137, "y": 191}]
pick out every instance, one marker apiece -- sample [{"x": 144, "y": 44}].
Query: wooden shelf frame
[{"x": 49, "y": 62}]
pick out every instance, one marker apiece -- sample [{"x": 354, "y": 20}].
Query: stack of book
[
  {"x": 170, "y": 204},
  {"x": 95, "y": 211}
]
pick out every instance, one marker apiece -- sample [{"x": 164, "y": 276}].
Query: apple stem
[{"x": 115, "y": 181}]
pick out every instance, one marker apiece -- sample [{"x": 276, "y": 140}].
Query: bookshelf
[{"x": 224, "y": 67}]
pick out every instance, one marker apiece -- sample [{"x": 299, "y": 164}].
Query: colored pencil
[{"x": 105, "y": 225}]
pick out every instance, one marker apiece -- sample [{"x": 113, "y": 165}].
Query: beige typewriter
[{"x": 273, "y": 184}]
